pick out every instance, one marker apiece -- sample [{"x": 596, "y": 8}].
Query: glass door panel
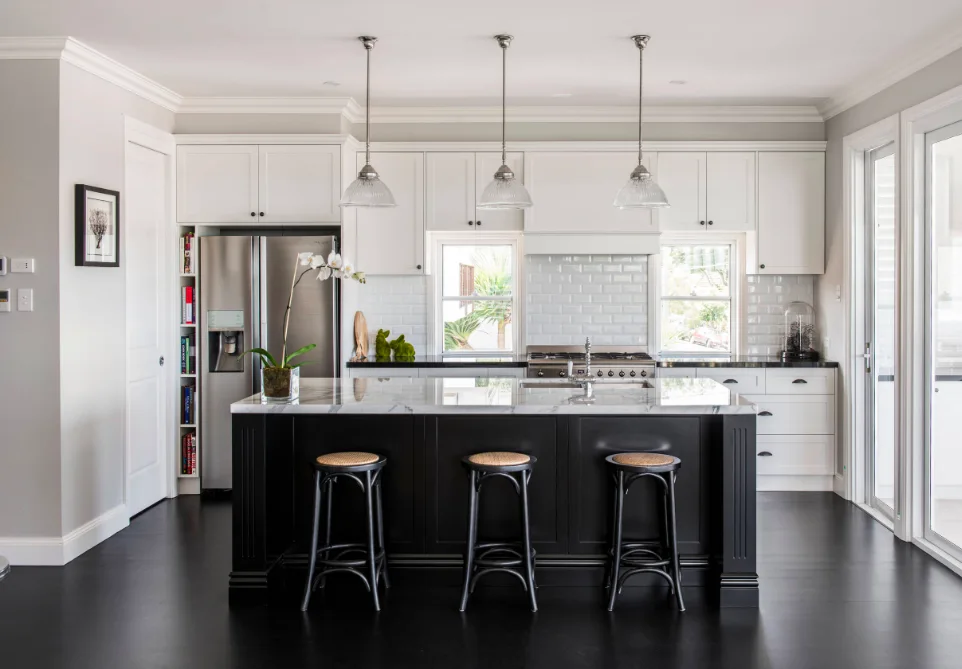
[{"x": 943, "y": 183}]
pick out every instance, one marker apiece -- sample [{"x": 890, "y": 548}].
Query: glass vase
[{"x": 280, "y": 384}]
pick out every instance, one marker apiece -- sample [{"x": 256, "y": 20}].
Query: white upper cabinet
[
  {"x": 299, "y": 184},
  {"x": 453, "y": 183},
  {"x": 230, "y": 184},
  {"x": 390, "y": 240},
  {"x": 217, "y": 184},
  {"x": 712, "y": 191},
  {"x": 791, "y": 214},
  {"x": 574, "y": 191}
]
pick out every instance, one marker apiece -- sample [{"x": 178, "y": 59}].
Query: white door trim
[{"x": 139, "y": 133}]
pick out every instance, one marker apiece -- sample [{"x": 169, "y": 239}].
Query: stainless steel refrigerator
[{"x": 245, "y": 283}]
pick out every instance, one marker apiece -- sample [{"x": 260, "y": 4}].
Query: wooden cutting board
[{"x": 360, "y": 336}]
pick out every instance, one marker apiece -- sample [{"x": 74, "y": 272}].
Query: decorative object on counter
[
  {"x": 382, "y": 349},
  {"x": 280, "y": 380},
  {"x": 402, "y": 350},
  {"x": 360, "y": 337},
  {"x": 368, "y": 190},
  {"x": 641, "y": 191},
  {"x": 800, "y": 332},
  {"x": 96, "y": 227},
  {"x": 504, "y": 192}
]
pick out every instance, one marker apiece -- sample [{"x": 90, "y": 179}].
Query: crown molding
[
  {"x": 346, "y": 140},
  {"x": 925, "y": 53},
  {"x": 272, "y": 105},
  {"x": 32, "y": 48},
  {"x": 614, "y": 146}
]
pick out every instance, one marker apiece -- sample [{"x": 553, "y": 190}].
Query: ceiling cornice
[{"x": 925, "y": 53}]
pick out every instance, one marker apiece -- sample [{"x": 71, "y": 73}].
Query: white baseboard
[
  {"x": 58, "y": 551},
  {"x": 795, "y": 483},
  {"x": 840, "y": 487}
]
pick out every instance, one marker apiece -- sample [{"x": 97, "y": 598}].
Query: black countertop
[{"x": 746, "y": 361}]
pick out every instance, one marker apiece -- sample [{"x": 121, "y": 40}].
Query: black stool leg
[
  {"x": 611, "y": 540},
  {"x": 329, "y": 485},
  {"x": 472, "y": 538},
  {"x": 317, "y": 523},
  {"x": 528, "y": 560},
  {"x": 380, "y": 531},
  {"x": 676, "y": 567},
  {"x": 616, "y": 548},
  {"x": 372, "y": 560}
]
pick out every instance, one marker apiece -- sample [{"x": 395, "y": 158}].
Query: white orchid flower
[
  {"x": 316, "y": 261},
  {"x": 305, "y": 258},
  {"x": 334, "y": 260},
  {"x": 347, "y": 269},
  {"x": 360, "y": 277},
  {"x": 324, "y": 273}
]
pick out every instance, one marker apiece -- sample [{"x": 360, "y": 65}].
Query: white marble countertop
[{"x": 500, "y": 396}]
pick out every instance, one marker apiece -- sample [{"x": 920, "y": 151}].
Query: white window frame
[
  {"x": 435, "y": 315},
  {"x": 737, "y": 278}
]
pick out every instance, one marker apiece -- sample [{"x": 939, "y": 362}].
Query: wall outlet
[
  {"x": 22, "y": 265},
  {"x": 25, "y": 299}
]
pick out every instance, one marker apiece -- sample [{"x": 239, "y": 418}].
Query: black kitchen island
[{"x": 425, "y": 426}]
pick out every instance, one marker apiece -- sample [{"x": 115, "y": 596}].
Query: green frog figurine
[{"x": 382, "y": 349}]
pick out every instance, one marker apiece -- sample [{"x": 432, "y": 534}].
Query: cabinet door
[
  {"x": 573, "y": 191},
  {"x": 300, "y": 184},
  {"x": 791, "y": 213},
  {"x": 217, "y": 184},
  {"x": 731, "y": 191},
  {"x": 682, "y": 176},
  {"x": 486, "y": 164},
  {"x": 449, "y": 191},
  {"x": 738, "y": 380},
  {"x": 390, "y": 240}
]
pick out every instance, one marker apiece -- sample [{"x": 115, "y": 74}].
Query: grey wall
[
  {"x": 30, "y": 353},
  {"x": 92, "y": 300},
  {"x": 219, "y": 124}
]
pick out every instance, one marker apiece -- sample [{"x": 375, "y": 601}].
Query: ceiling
[{"x": 441, "y": 53}]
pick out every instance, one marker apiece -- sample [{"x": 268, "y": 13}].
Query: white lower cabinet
[
  {"x": 676, "y": 373},
  {"x": 795, "y": 455},
  {"x": 739, "y": 380},
  {"x": 795, "y": 414}
]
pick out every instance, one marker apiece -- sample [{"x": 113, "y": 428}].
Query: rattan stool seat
[
  {"x": 499, "y": 459},
  {"x": 643, "y": 459},
  {"x": 347, "y": 459}
]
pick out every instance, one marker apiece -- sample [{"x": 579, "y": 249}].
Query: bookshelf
[{"x": 187, "y": 443}]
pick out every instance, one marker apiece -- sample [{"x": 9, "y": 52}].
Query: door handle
[
  {"x": 765, "y": 454},
  {"x": 729, "y": 381},
  {"x": 799, "y": 381},
  {"x": 161, "y": 361},
  {"x": 764, "y": 413}
]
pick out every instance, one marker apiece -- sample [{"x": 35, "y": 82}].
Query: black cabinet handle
[
  {"x": 711, "y": 222},
  {"x": 764, "y": 413},
  {"x": 729, "y": 381},
  {"x": 477, "y": 222},
  {"x": 253, "y": 213},
  {"x": 419, "y": 267},
  {"x": 799, "y": 381},
  {"x": 701, "y": 222},
  {"x": 470, "y": 222},
  {"x": 262, "y": 213},
  {"x": 765, "y": 454},
  {"x": 762, "y": 266}
]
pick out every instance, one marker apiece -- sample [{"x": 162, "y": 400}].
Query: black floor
[{"x": 837, "y": 591}]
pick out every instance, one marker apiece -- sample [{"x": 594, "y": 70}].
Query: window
[
  {"x": 696, "y": 303},
  {"x": 476, "y": 297}
]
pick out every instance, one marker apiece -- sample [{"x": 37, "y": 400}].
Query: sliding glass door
[
  {"x": 943, "y": 447},
  {"x": 879, "y": 350}
]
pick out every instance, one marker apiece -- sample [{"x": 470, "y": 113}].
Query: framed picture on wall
[{"x": 97, "y": 226}]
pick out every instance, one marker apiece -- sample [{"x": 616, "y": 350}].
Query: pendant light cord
[
  {"x": 504, "y": 93},
  {"x": 641, "y": 90},
  {"x": 367, "y": 112}
]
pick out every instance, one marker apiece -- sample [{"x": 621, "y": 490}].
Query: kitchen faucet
[{"x": 588, "y": 358}]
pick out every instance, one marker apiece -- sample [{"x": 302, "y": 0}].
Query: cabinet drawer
[
  {"x": 795, "y": 414},
  {"x": 795, "y": 455},
  {"x": 676, "y": 372},
  {"x": 738, "y": 380},
  {"x": 807, "y": 381}
]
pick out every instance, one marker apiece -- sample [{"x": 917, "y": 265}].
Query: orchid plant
[{"x": 334, "y": 266}]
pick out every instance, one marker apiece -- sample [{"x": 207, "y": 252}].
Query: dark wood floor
[{"x": 837, "y": 591}]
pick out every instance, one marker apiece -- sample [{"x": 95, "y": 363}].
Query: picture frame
[{"x": 96, "y": 226}]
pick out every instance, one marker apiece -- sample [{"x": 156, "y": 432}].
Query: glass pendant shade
[
  {"x": 368, "y": 191},
  {"x": 504, "y": 192},
  {"x": 641, "y": 192}
]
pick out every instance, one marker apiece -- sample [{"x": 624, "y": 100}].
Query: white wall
[
  {"x": 92, "y": 299},
  {"x": 30, "y": 353}
]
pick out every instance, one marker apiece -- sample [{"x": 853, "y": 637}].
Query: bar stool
[
  {"x": 365, "y": 470},
  {"x": 489, "y": 557},
  {"x": 644, "y": 556},
  {"x": 4, "y": 567}
]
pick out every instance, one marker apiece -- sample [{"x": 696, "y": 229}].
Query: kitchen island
[{"x": 424, "y": 426}]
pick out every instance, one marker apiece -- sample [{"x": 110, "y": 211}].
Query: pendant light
[
  {"x": 641, "y": 191},
  {"x": 504, "y": 192},
  {"x": 367, "y": 190}
]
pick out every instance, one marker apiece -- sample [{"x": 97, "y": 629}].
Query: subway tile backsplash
[
  {"x": 570, "y": 297},
  {"x": 398, "y": 304},
  {"x": 766, "y": 297}
]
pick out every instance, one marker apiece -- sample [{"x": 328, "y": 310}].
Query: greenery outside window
[
  {"x": 477, "y": 305},
  {"x": 696, "y": 302}
]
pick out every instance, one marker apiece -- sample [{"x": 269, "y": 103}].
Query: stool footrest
[{"x": 513, "y": 555}]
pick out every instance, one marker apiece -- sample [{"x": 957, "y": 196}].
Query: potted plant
[{"x": 280, "y": 379}]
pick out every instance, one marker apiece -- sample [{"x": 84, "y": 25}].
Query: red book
[{"x": 189, "y": 304}]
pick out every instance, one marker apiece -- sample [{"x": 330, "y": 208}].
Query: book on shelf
[
  {"x": 188, "y": 404},
  {"x": 188, "y": 453},
  {"x": 188, "y": 305},
  {"x": 188, "y": 253},
  {"x": 188, "y": 354}
]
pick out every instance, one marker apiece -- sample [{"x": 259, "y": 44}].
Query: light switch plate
[
  {"x": 3, "y": 265},
  {"x": 25, "y": 299},
  {"x": 22, "y": 265},
  {"x": 4, "y": 300}
]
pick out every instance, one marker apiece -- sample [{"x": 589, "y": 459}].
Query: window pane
[
  {"x": 476, "y": 269},
  {"x": 477, "y": 326},
  {"x": 695, "y": 326},
  {"x": 696, "y": 271}
]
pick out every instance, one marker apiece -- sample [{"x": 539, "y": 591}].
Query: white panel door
[
  {"x": 449, "y": 191},
  {"x": 791, "y": 213},
  {"x": 574, "y": 191},
  {"x": 682, "y": 176},
  {"x": 299, "y": 184},
  {"x": 146, "y": 219},
  {"x": 390, "y": 240},
  {"x": 217, "y": 184},
  {"x": 486, "y": 164},
  {"x": 731, "y": 191}
]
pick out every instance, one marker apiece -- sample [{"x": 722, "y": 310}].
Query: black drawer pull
[
  {"x": 764, "y": 413},
  {"x": 765, "y": 454},
  {"x": 729, "y": 381},
  {"x": 799, "y": 381}
]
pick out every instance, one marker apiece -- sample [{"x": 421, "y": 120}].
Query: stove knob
[
  {"x": 540, "y": 373},
  {"x": 644, "y": 373},
  {"x": 621, "y": 373},
  {"x": 561, "y": 374},
  {"x": 610, "y": 373},
  {"x": 632, "y": 373},
  {"x": 600, "y": 373}
]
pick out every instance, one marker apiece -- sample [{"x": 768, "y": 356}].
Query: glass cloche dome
[{"x": 799, "y": 334}]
